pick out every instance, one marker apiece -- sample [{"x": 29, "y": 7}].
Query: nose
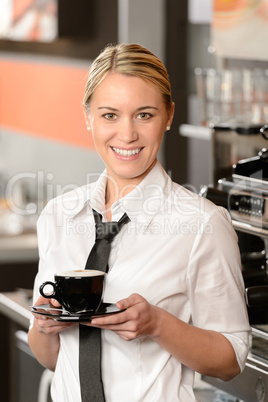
[{"x": 127, "y": 131}]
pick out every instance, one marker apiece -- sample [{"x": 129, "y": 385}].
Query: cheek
[
  {"x": 102, "y": 128},
  {"x": 97, "y": 140},
  {"x": 100, "y": 135},
  {"x": 152, "y": 132},
  {"x": 157, "y": 137}
]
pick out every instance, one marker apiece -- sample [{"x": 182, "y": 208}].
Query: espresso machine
[
  {"x": 242, "y": 188},
  {"x": 233, "y": 105}
]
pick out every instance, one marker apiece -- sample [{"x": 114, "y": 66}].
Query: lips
[{"x": 126, "y": 152}]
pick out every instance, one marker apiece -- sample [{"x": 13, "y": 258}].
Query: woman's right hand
[
  {"x": 44, "y": 337},
  {"x": 46, "y": 324}
]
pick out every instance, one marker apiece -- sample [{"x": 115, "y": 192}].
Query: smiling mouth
[{"x": 126, "y": 152}]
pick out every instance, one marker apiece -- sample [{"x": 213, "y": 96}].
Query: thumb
[
  {"x": 55, "y": 303},
  {"x": 130, "y": 301}
]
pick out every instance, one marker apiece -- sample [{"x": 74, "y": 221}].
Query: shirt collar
[
  {"x": 89, "y": 196},
  {"x": 141, "y": 204},
  {"x": 145, "y": 200}
]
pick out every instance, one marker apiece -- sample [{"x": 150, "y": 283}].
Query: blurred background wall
[{"x": 42, "y": 82}]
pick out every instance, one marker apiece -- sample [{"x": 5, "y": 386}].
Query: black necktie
[{"x": 90, "y": 338}]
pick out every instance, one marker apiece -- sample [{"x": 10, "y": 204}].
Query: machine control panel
[{"x": 248, "y": 207}]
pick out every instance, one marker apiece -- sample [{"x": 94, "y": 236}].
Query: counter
[
  {"x": 15, "y": 306},
  {"x": 23, "y": 378},
  {"x": 18, "y": 268},
  {"x": 18, "y": 248}
]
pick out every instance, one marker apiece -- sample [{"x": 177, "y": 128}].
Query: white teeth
[{"x": 125, "y": 152}]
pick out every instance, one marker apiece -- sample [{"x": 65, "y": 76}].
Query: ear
[
  {"x": 170, "y": 115},
  {"x": 86, "y": 117}
]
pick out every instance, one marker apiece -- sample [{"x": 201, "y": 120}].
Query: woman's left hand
[
  {"x": 139, "y": 319},
  {"x": 197, "y": 348}
]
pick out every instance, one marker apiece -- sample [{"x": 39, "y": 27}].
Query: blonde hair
[{"x": 132, "y": 60}]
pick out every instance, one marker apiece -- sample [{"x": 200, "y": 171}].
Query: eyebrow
[{"x": 117, "y": 110}]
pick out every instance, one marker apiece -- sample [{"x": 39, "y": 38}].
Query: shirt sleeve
[{"x": 215, "y": 283}]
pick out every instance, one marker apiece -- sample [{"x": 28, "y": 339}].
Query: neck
[
  {"x": 113, "y": 194},
  {"x": 117, "y": 189}
]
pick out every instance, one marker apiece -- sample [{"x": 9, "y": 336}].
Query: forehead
[{"x": 120, "y": 88}]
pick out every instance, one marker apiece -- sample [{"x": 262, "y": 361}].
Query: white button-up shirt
[{"x": 179, "y": 252}]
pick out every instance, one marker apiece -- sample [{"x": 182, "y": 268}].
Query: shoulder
[
  {"x": 188, "y": 202},
  {"x": 68, "y": 204}
]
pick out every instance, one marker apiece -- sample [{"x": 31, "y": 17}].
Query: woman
[{"x": 174, "y": 268}]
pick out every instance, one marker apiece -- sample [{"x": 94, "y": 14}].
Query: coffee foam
[{"x": 81, "y": 272}]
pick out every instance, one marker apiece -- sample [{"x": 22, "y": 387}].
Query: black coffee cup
[{"x": 76, "y": 291}]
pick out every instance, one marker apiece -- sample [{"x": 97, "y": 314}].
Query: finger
[
  {"x": 41, "y": 300},
  {"x": 112, "y": 319},
  {"x": 126, "y": 336},
  {"x": 49, "y": 321},
  {"x": 130, "y": 301},
  {"x": 51, "y": 326},
  {"x": 124, "y": 326},
  {"x": 39, "y": 317},
  {"x": 131, "y": 314},
  {"x": 55, "y": 303}
]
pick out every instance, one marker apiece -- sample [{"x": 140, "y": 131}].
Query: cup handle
[{"x": 50, "y": 296}]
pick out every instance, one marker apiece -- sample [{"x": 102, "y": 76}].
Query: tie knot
[{"x": 108, "y": 230}]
